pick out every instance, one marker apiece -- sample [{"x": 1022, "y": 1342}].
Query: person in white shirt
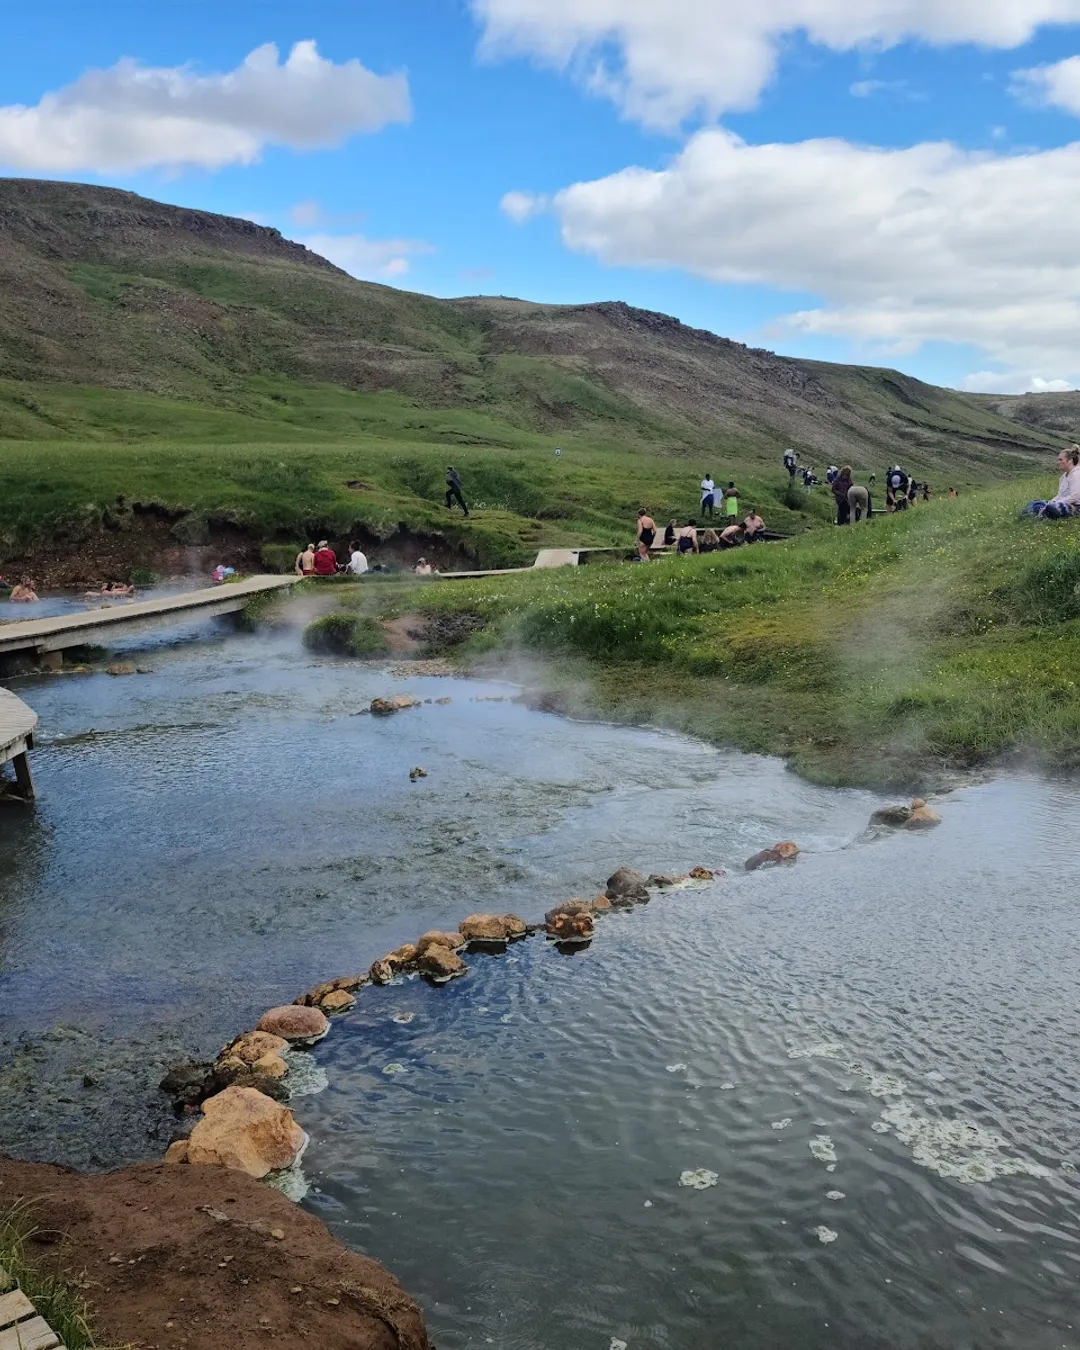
[
  {"x": 358, "y": 563},
  {"x": 1067, "y": 501},
  {"x": 708, "y": 495}
]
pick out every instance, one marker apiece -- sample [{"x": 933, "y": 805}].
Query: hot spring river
[{"x": 875, "y": 1052}]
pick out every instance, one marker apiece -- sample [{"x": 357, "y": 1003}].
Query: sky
[{"x": 892, "y": 182}]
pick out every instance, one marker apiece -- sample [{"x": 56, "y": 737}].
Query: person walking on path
[
  {"x": 731, "y": 501},
  {"x": 453, "y": 490},
  {"x": 646, "y": 534},
  {"x": 841, "y": 485},
  {"x": 708, "y": 495},
  {"x": 858, "y": 503}
]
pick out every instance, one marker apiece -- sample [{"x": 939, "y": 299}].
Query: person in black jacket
[{"x": 453, "y": 490}]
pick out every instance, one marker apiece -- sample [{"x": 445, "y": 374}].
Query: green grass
[
  {"x": 893, "y": 654},
  {"x": 56, "y": 1296}
]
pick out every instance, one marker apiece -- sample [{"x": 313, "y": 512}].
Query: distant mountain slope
[{"x": 104, "y": 288}]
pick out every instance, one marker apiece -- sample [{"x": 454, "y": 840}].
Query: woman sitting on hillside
[{"x": 1067, "y": 501}]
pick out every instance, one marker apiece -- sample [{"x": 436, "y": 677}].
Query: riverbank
[
  {"x": 896, "y": 655},
  {"x": 194, "y": 1258}
]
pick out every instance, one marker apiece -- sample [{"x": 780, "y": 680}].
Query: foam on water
[
  {"x": 961, "y": 1149},
  {"x": 306, "y": 1076},
  {"x": 700, "y": 1180}
]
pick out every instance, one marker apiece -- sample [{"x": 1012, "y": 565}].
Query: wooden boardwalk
[
  {"x": 17, "y": 723},
  {"x": 97, "y": 626},
  {"x": 21, "y": 1325}
]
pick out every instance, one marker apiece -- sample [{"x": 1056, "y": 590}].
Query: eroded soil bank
[{"x": 197, "y": 1258}]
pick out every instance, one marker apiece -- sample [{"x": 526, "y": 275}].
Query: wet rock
[
  {"x": 386, "y": 707},
  {"x": 701, "y": 874},
  {"x": 564, "y": 927},
  {"x": 183, "y": 1079},
  {"x": 660, "y": 880},
  {"x": 892, "y": 817},
  {"x": 177, "y": 1152},
  {"x": 314, "y": 997},
  {"x": 244, "y": 1129},
  {"x": 416, "y": 773},
  {"x": 545, "y": 700},
  {"x": 434, "y": 938},
  {"x": 253, "y": 1046},
  {"x": 272, "y": 1065},
  {"x": 294, "y": 1023},
  {"x": 337, "y": 1001},
  {"x": 627, "y": 887},
  {"x": 121, "y": 668},
  {"x": 568, "y": 909},
  {"x": 600, "y": 903},
  {"x": 235, "y": 1073},
  {"x": 492, "y": 928},
  {"x": 785, "y": 852},
  {"x": 442, "y": 702},
  {"x": 441, "y": 964},
  {"x": 381, "y": 972},
  {"x": 922, "y": 816},
  {"x": 404, "y": 957}
]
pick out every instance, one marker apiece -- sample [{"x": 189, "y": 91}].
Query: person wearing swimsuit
[
  {"x": 646, "y": 534},
  {"x": 688, "y": 541}
]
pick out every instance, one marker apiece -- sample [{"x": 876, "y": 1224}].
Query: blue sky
[{"x": 899, "y": 186}]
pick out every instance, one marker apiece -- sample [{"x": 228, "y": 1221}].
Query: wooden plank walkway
[
  {"x": 21, "y": 1327},
  {"x": 96, "y": 626},
  {"x": 17, "y": 723}
]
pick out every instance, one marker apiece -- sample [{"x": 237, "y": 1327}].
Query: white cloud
[
  {"x": 133, "y": 117},
  {"x": 523, "y": 206},
  {"x": 1056, "y": 86},
  {"x": 368, "y": 259},
  {"x": 1012, "y": 382},
  {"x": 662, "y": 62},
  {"x": 902, "y": 246},
  {"x": 898, "y": 88}
]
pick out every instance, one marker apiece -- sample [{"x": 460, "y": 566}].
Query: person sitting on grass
[
  {"x": 754, "y": 525},
  {"x": 1067, "y": 501},
  {"x": 325, "y": 560},
  {"x": 24, "y": 593},
  {"x": 305, "y": 561},
  {"x": 646, "y": 534},
  {"x": 710, "y": 542},
  {"x": 733, "y": 536},
  {"x": 358, "y": 563},
  {"x": 688, "y": 538}
]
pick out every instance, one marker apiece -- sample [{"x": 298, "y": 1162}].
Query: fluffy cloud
[
  {"x": 132, "y": 117},
  {"x": 368, "y": 259},
  {"x": 1056, "y": 86},
  {"x": 662, "y": 62},
  {"x": 1012, "y": 382},
  {"x": 902, "y": 246},
  {"x": 523, "y": 206}
]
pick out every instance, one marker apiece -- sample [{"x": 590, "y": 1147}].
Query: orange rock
[
  {"x": 922, "y": 816},
  {"x": 565, "y": 927},
  {"x": 243, "y": 1129},
  {"x": 404, "y": 956},
  {"x": 177, "y": 1152},
  {"x": 337, "y": 1001},
  {"x": 294, "y": 1022},
  {"x": 381, "y": 972},
  {"x": 441, "y": 963},
  {"x": 492, "y": 928},
  {"x": 786, "y": 851},
  {"x": 252, "y": 1046},
  {"x": 272, "y": 1065},
  {"x": 437, "y": 939}
]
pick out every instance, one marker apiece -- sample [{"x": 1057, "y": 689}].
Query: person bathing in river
[
  {"x": 754, "y": 526},
  {"x": 325, "y": 560},
  {"x": 305, "y": 561},
  {"x": 646, "y": 534},
  {"x": 422, "y": 568},
  {"x": 670, "y": 531},
  {"x": 24, "y": 593},
  {"x": 710, "y": 541},
  {"x": 733, "y": 536},
  {"x": 688, "y": 538},
  {"x": 1067, "y": 501}
]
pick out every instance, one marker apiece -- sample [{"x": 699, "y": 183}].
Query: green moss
[{"x": 345, "y": 634}]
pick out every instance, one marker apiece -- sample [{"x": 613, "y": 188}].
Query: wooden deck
[
  {"x": 97, "y": 626},
  {"x": 21, "y": 1326},
  {"x": 17, "y": 723}
]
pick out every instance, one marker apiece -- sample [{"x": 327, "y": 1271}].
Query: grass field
[{"x": 891, "y": 654}]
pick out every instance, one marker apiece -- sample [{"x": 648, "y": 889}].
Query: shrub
[{"x": 345, "y": 635}]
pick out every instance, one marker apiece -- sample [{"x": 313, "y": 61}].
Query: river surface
[{"x": 873, "y": 1052}]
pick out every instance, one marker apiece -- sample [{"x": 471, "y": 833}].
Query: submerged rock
[
  {"x": 627, "y": 887},
  {"x": 416, "y": 773},
  {"x": 779, "y": 853},
  {"x": 244, "y": 1129},
  {"x": 660, "y": 880},
  {"x": 386, "y": 707},
  {"x": 381, "y": 972},
  {"x": 253, "y": 1046},
  {"x": 922, "y": 816},
  {"x": 892, "y": 817},
  {"x": 492, "y": 928},
  {"x": 295, "y": 1023},
  {"x": 121, "y": 668},
  {"x": 441, "y": 963}
]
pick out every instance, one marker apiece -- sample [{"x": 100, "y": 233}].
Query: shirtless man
[
  {"x": 24, "y": 593},
  {"x": 646, "y": 534},
  {"x": 754, "y": 525},
  {"x": 733, "y": 536},
  {"x": 305, "y": 562}
]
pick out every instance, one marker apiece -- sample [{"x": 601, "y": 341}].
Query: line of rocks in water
[{"x": 244, "y": 1123}]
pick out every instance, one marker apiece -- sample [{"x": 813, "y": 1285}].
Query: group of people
[
  {"x": 111, "y": 590},
  {"x": 685, "y": 538},
  {"x": 23, "y": 592},
  {"x": 323, "y": 561},
  {"x": 712, "y": 496},
  {"x": 853, "y": 500}
]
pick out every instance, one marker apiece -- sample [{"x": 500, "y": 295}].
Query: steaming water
[{"x": 873, "y": 1052}]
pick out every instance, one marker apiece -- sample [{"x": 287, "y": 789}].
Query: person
[
  {"x": 670, "y": 531},
  {"x": 24, "y": 593},
  {"x": 926, "y": 492},
  {"x": 733, "y": 536},
  {"x": 688, "y": 537},
  {"x": 808, "y": 477},
  {"x": 453, "y": 490},
  {"x": 646, "y": 534},
  {"x": 358, "y": 563},
  {"x": 830, "y": 474},
  {"x": 953, "y": 493},
  {"x": 325, "y": 560},
  {"x": 731, "y": 501},
  {"x": 710, "y": 541},
  {"x": 912, "y": 491},
  {"x": 791, "y": 462},
  {"x": 558, "y": 452},
  {"x": 422, "y": 568},
  {"x": 305, "y": 561},
  {"x": 1067, "y": 501},
  {"x": 708, "y": 495},
  {"x": 223, "y": 573},
  {"x": 872, "y": 479},
  {"x": 755, "y": 526},
  {"x": 896, "y": 484},
  {"x": 858, "y": 503},
  {"x": 841, "y": 484}
]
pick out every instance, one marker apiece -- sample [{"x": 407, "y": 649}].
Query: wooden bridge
[
  {"x": 47, "y": 638},
  {"x": 17, "y": 723}
]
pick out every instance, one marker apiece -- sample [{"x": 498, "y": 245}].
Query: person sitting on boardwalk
[
  {"x": 710, "y": 542},
  {"x": 24, "y": 593},
  {"x": 754, "y": 525},
  {"x": 358, "y": 563},
  {"x": 733, "y": 536},
  {"x": 453, "y": 490},
  {"x": 708, "y": 495},
  {"x": 646, "y": 534},
  {"x": 731, "y": 501},
  {"x": 688, "y": 538},
  {"x": 325, "y": 560},
  {"x": 1067, "y": 501},
  {"x": 305, "y": 561},
  {"x": 670, "y": 532}
]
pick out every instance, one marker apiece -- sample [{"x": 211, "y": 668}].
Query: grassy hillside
[{"x": 894, "y": 653}]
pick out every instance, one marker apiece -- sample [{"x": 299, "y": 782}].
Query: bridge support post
[
  {"x": 51, "y": 660},
  {"x": 23, "y": 777}
]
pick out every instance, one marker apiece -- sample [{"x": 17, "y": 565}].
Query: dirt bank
[{"x": 198, "y": 1258}]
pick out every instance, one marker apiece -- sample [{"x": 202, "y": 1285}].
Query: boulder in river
[
  {"x": 336, "y": 1001},
  {"x": 785, "y": 852},
  {"x": 492, "y": 928},
  {"x": 386, "y": 707},
  {"x": 570, "y": 928},
  {"x": 627, "y": 887},
  {"x": 314, "y": 997},
  {"x": 272, "y": 1065},
  {"x": 253, "y": 1045},
  {"x": 701, "y": 874},
  {"x": 892, "y": 817},
  {"x": 434, "y": 938},
  {"x": 922, "y": 816},
  {"x": 121, "y": 668},
  {"x": 382, "y": 972},
  {"x": 404, "y": 957},
  {"x": 295, "y": 1023},
  {"x": 188, "y": 1084},
  {"x": 441, "y": 963},
  {"x": 660, "y": 880},
  {"x": 244, "y": 1129}
]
